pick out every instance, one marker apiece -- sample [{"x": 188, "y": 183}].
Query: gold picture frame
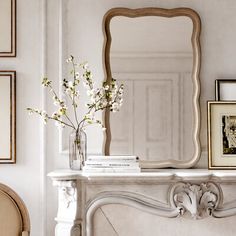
[
  {"x": 8, "y": 117},
  {"x": 222, "y": 135},
  {"x": 8, "y": 28}
]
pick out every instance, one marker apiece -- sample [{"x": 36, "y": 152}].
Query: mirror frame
[
  {"x": 133, "y": 13},
  {"x": 12, "y": 158}
]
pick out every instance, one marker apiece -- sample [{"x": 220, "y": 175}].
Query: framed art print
[
  {"x": 222, "y": 135},
  {"x": 8, "y": 116},
  {"x": 7, "y": 28},
  {"x": 225, "y": 89}
]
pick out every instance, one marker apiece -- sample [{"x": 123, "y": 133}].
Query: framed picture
[
  {"x": 8, "y": 116},
  {"x": 225, "y": 89},
  {"x": 7, "y": 28},
  {"x": 222, "y": 135}
]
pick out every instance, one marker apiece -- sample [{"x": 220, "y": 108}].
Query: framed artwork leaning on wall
[
  {"x": 222, "y": 135},
  {"x": 8, "y": 28},
  {"x": 225, "y": 89}
]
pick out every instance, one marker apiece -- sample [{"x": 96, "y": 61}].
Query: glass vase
[{"x": 77, "y": 149}]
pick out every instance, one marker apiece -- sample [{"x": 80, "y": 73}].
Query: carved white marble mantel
[{"x": 193, "y": 193}]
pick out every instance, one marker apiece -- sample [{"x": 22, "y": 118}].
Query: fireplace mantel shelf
[
  {"x": 194, "y": 193},
  {"x": 157, "y": 175}
]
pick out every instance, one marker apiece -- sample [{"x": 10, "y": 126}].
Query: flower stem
[
  {"x": 55, "y": 94},
  {"x": 74, "y": 106},
  {"x": 62, "y": 122}
]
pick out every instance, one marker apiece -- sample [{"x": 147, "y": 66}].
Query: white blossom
[
  {"x": 77, "y": 75},
  {"x": 46, "y": 82},
  {"x": 70, "y": 59},
  {"x": 55, "y": 116},
  {"x": 109, "y": 95},
  {"x": 62, "y": 110},
  {"x": 59, "y": 125},
  {"x": 91, "y": 92},
  {"x": 106, "y": 87},
  {"x": 44, "y": 113},
  {"x": 86, "y": 66},
  {"x": 70, "y": 84}
]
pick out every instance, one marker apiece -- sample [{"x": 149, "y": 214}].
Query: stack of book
[{"x": 112, "y": 164}]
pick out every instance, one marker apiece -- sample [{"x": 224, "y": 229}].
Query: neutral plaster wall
[
  {"x": 85, "y": 39},
  {"x": 24, "y": 176}
]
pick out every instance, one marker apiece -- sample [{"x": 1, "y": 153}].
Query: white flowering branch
[
  {"x": 62, "y": 105},
  {"x": 109, "y": 96}
]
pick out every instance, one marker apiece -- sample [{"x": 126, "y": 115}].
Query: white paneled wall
[
  {"x": 84, "y": 38},
  {"x": 25, "y": 176}
]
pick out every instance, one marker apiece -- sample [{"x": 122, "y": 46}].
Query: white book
[
  {"x": 110, "y": 167},
  {"x": 113, "y": 158},
  {"x": 111, "y": 170},
  {"x": 111, "y": 164}
]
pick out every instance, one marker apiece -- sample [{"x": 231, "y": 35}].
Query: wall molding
[
  {"x": 43, "y": 141},
  {"x": 62, "y": 54},
  {"x": 153, "y": 54}
]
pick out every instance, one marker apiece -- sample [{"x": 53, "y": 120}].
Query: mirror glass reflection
[{"x": 153, "y": 57}]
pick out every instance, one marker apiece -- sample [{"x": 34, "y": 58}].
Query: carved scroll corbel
[
  {"x": 67, "y": 192},
  {"x": 196, "y": 200},
  {"x": 69, "y": 214}
]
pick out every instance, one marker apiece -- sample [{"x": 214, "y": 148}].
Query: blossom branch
[
  {"x": 61, "y": 104},
  {"x": 107, "y": 96}
]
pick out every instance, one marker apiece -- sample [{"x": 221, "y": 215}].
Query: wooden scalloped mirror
[{"x": 156, "y": 54}]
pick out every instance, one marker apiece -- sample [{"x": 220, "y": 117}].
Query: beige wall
[
  {"x": 24, "y": 176},
  {"x": 85, "y": 39}
]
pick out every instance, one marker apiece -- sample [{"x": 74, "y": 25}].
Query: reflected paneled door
[{"x": 135, "y": 129}]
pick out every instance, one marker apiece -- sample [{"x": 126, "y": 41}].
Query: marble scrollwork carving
[
  {"x": 69, "y": 210},
  {"x": 196, "y": 200},
  {"x": 67, "y": 192},
  {"x": 68, "y": 196}
]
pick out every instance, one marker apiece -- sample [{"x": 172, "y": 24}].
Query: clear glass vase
[{"x": 77, "y": 149}]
